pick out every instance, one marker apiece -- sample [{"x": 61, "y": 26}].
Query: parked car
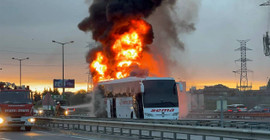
[
  {"x": 237, "y": 108},
  {"x": 260, "y": 108}
]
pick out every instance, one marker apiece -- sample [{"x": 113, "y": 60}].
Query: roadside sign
[
  {"x": 69, "y": 83},
  {"x": 218, "y": 102}
]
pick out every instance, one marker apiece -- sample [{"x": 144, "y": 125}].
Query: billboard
[{"x": 69, "y": 83}]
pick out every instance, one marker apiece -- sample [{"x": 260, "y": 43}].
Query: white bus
[{"x": 141, "y": 98}]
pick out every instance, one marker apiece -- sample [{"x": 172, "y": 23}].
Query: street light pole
[
  {"x": 63, "y": 61},
  {"x": 20, "y": 60}
]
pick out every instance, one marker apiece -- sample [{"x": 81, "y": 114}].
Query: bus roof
[{"x": 133, "y": 79}]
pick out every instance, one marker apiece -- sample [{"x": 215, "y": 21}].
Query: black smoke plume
[
  {"x": 111, "y": 16},
  {"x": 104, "y": 14}
]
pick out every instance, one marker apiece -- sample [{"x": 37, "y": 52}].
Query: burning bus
[
  {"x": 141, "y": 98},
  {"x": 124, "y": 51}
]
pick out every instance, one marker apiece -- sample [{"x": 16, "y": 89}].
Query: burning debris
[{"x": 124, "y": 38}]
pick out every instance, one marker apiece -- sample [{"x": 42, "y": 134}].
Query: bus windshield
[
  {"x": 15, "y": 97},
  {"x": 160, "y": 93}
]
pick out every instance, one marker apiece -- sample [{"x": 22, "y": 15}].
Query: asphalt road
[
  {"x": 51, "y": 135},
  {"x": 40, "y": 135}
]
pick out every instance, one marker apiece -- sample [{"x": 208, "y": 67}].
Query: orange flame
[
  {"x": 99, "y": 67},
  {"x": 128, "y": 50}
]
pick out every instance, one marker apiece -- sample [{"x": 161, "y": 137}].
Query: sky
[
  {"x": 210, "y": 49},
  {"x": 28, "y": 27}
]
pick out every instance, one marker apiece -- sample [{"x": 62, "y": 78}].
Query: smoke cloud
[
  {"x": 171, "y": 21},
  {"x": 105, "y": 14},
  {"x": 95, "y": 107},
  {"x": 88, "y": 2},
  {"x": 109, "y": 17}
]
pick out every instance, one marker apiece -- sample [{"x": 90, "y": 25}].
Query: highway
[
  {"x": 159, "y": 129},
  {"x": 50, "y": 135},
  {"x": 80, "y": 128},
  {"x": 41, "y": 135}
]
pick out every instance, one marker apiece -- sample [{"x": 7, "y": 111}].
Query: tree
[
  {"x": 44, "y": 92},
  {"x": 37, "y": 96},
  {"x": 55, "y": 91}
]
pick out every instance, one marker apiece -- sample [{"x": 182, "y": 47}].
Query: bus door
[
  {"x": 109, "y": 107},
  {"x": 113, "y": 108},
  {"x": 138, "y": 106}
]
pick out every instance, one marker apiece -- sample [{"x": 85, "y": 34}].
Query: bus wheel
[{"x": 27, "y": 128}]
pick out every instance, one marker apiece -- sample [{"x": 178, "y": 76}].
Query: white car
[{"x": 237, "y": 108}]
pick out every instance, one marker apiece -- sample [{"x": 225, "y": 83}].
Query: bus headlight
[
  {"x": 1, "y": 120},
  {"x": 31, "y": 120},
  {"x": 40, "y": 111},
  {"x": 66, "y": 112}
]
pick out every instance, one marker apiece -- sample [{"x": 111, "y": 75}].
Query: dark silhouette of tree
[
  {"x": 54, "y": 91},
  {"x": 37, "y": 96}
]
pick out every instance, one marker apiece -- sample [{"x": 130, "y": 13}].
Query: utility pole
[
  {"x": 20, "y": 60},
  {"x": 63, "y": 64},
  {"x": 243, "y": 70}
]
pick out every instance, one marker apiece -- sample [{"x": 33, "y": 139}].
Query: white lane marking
[{"x": 77, "y": 137}]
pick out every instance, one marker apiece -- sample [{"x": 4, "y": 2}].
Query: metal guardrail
[
  {"x": 240, "y": 115},
  {"x": 152, "y": 130},
  {"x": 205, "y": 115},
  {"x": 238, "y": 124}
]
